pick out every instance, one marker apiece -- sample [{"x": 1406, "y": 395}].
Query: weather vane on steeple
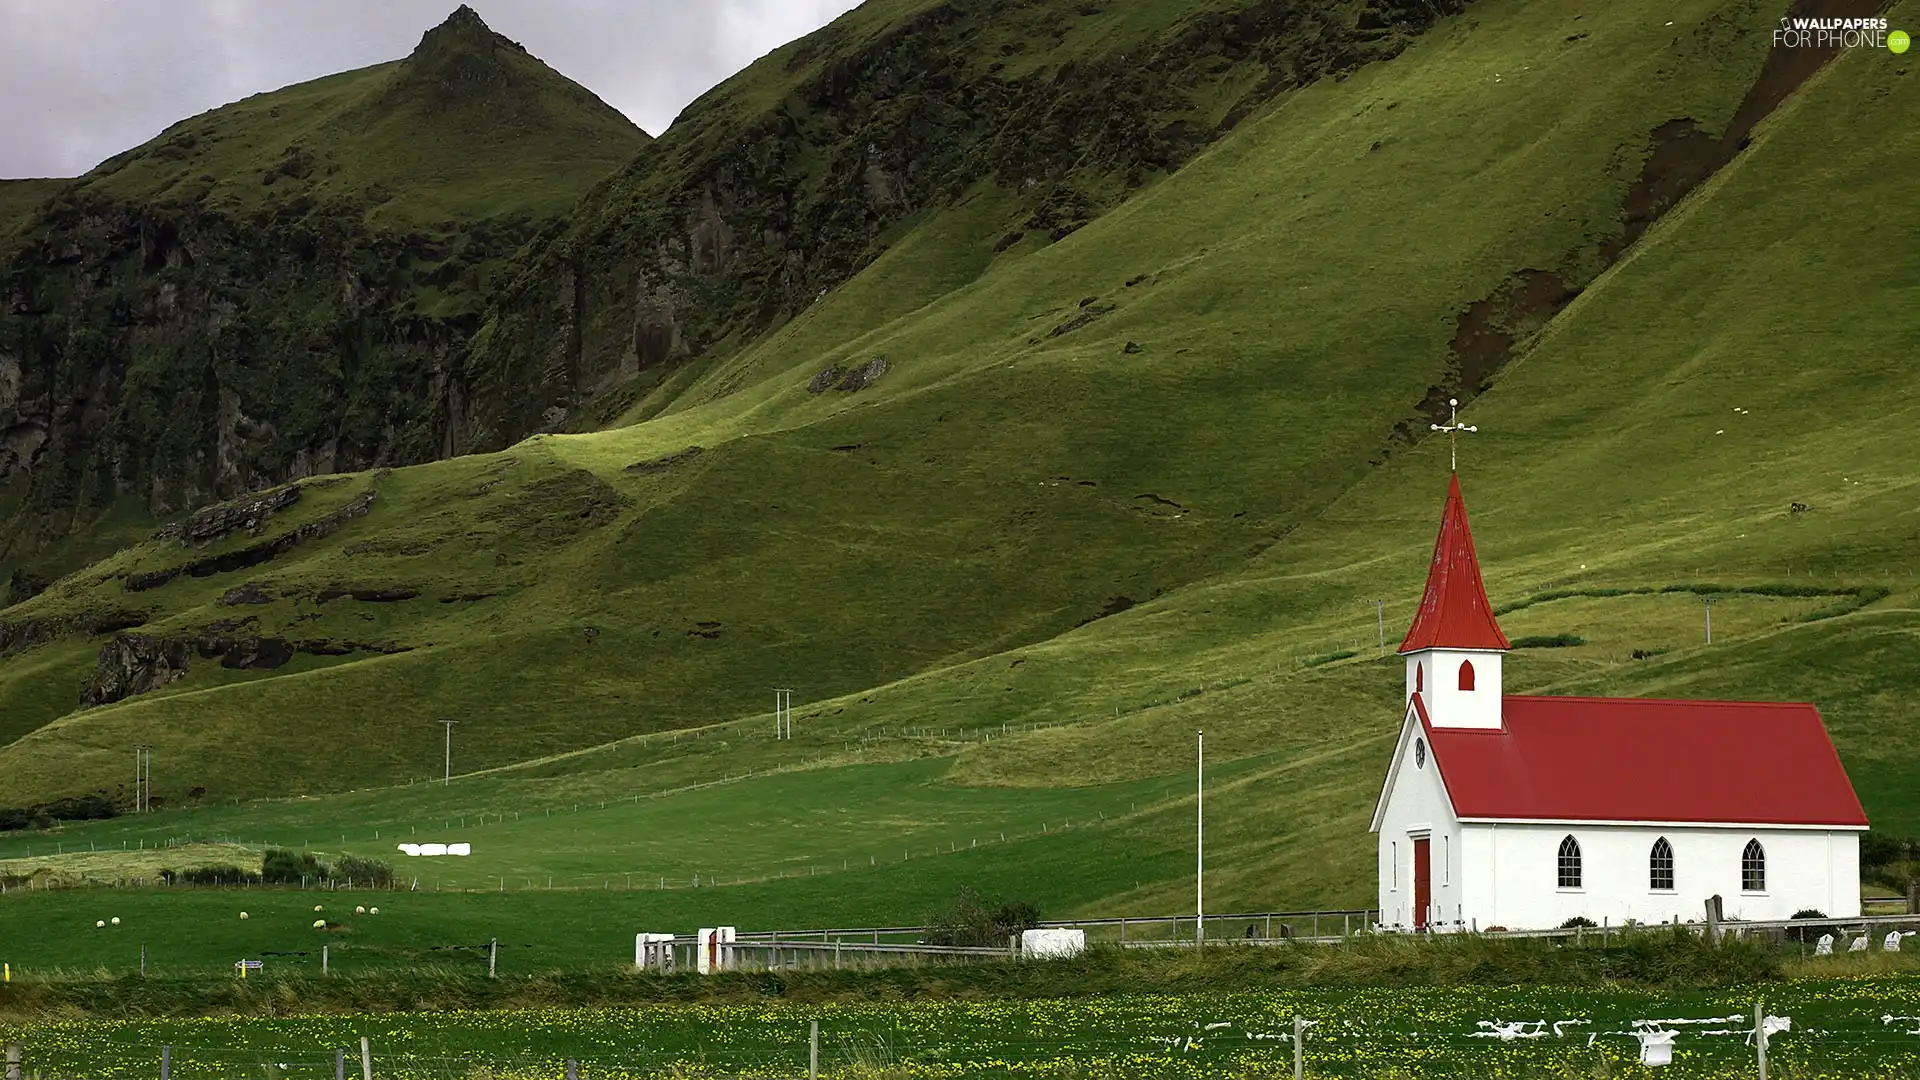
[{"x": 1453, "y": 429}]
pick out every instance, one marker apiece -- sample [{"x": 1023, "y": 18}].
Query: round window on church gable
[{"x": 1419, "y": 753}]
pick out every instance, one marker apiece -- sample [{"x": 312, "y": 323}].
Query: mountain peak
[{"x": 463, "y": 60}]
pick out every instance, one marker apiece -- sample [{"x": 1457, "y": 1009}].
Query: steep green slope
[
  {"x": 275, "y": 288},
  {"x": 19, "y": 200},
  {"x": 786, "y": 181},
  {"x": 1016, "y": 472}
]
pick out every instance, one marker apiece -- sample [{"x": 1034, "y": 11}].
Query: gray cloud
[{"x": 81, "y": 80}]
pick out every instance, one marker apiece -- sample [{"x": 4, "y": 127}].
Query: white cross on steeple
[{"x": 1453, "y": 429}]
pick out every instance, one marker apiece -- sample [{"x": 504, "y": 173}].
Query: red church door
[{"x": 1422, "y": 881}]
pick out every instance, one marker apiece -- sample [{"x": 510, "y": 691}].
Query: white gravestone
[{"x": 1823, "y": 947}]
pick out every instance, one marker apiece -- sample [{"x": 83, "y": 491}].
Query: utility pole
[
  {"x": 1708, "y": 602},
  {"x": 1380, "y": 612},
  {"x": 142, "y": 778},
  {"x": 1200, "y": 840},
  {"x": 448, "y": 777},
  {"x": 782, "y": 713}
]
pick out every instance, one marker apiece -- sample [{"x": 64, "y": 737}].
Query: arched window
[
  {"x": 1753, "y": 868},
  {"x": 1569, "y": 863},
  {"x": 1419, "y": 677},
  {"x": 1466, "y": 674},
  {"x": 1660, "y": 866}
]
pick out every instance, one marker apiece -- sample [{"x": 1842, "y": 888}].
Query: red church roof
[
  {"x": 1632, "y": 759},
  {"x": 1454, "y": 613}
]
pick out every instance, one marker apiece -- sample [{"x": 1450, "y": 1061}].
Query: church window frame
[
  {"x": 1660, "y": 866},
  {"x": 1569, "y": 865},
  {"x": 1393, "y": 856},
  {"x": 1446, "y": 859},
  {"x": 1753, "y": 867},
  {"x": 1419, "y": 678},
  {"x": 1466, "y": 676}
]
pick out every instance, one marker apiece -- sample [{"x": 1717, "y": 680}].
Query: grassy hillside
[
  {"x": 275, "y": 288},
  {"x": 1146, "y": 479},
  {"x": 468, "y": 127},
  {"x": 19, "y": 199}
]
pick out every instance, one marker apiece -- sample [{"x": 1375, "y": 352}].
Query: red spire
[{"x": 1454, "y": 613}]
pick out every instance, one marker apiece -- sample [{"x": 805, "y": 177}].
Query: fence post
[
  {"x": 166, "y": 1062},
  {"x": 366, "y": 1059},
  {"x": 1760, "y": 1036},
  {"x": 339, "y": 1064},
  {"x": 143, "y": 960},
  {"x": 325, "y": 968},
  {"x": 493, "y": 956},
  {"x": 1299, "y": 1047},
  {"x": 13, "y": 1061},
  {"x": 573, "y": 1069},
  {"x": 1913, "y": 898},
  {"x": 1713, "y": 919},
  {"x": 813, "y": 1052}
]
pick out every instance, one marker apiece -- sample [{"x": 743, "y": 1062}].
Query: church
[{"x": 1518, "y": 812}]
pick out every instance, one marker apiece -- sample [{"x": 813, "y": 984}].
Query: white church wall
[
  {"x": 1448, "y": 706},
  {"x": 1417, "y": 806},
  {"x": 1513, "y": 875}
]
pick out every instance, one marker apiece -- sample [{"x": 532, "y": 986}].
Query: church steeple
[
  {"x": 1454, "y": 613},
  {"x": 1454, "y": 647}
]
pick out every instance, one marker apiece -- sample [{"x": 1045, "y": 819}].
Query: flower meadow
[{"x": 1852, "y": 1028}]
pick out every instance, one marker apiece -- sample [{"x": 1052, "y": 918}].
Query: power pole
[
  {"x": 1200, "y": 840},
  {"x": 447, "y": 779},
  {"x": 782, "y": 713},
  {"x": 142, "y": 778},
  {"x": 1708, "y": 602}
]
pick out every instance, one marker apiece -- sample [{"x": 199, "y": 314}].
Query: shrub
[
  {"x": 970, "y": 921},
  {"x": 1813, "y": 930},
  {"x": 210, "y": 875},
  {"x": 1333, "y": 657},
  {"x": 282, "y": 867},
  {"x": 1548, "y": 641},
  {"x": 1578, "y": 921},
  {"x": 369, "y": 872}
]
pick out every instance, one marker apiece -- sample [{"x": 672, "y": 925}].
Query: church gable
[{"x": 1414, "y": 781}]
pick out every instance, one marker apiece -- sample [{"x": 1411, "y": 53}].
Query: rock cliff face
[{"x": 282, "y": 287}]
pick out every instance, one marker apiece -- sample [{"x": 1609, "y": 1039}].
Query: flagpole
[{"x": 1200, "y": 840}]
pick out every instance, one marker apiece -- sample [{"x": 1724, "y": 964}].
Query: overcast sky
[{"x": 82, "y": 80}]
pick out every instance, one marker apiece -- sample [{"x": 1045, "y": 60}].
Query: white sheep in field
[{"x": 243, "y": 916}]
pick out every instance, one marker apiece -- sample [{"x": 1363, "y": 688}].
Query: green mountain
[
  {"x": 275, "y": 288},
  {"x": 1036, "y": 507}
]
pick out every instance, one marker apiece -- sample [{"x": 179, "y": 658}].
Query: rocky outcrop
[
  {"x": 250, "y": 513},
  {"x": 849, "y": 380},
  {"x": 134, "y": 664},
  {"x": 254, "y": 554},
  {"x": 17, "y": 635}
]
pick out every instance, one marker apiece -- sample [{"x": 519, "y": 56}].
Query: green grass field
[
  {"x": 937, "y": 564},
  {"x": 1838, "y": 1030}
]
